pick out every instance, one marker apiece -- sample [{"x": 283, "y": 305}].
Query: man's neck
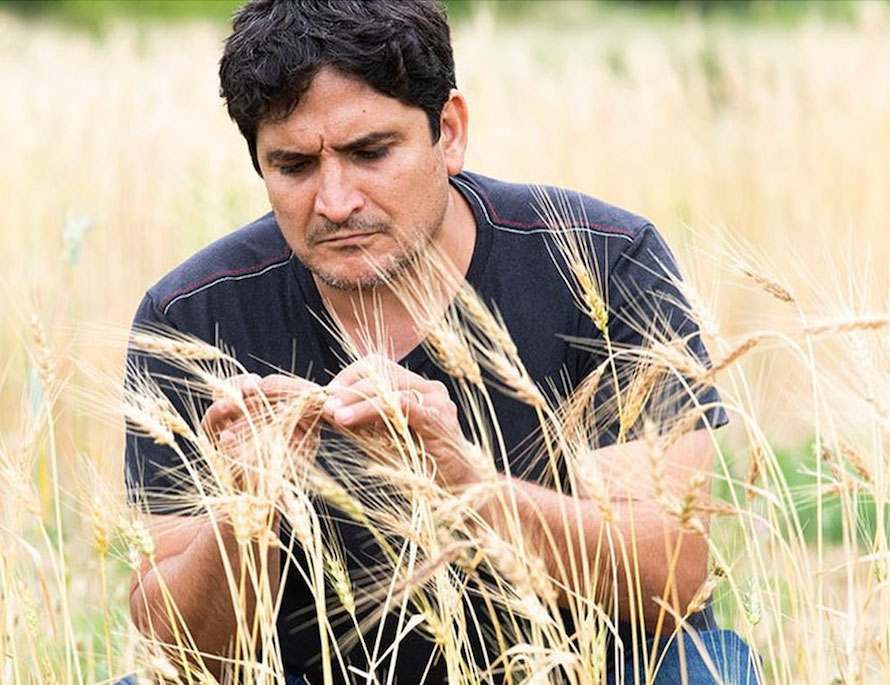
[{"x": 355, "y": 309}]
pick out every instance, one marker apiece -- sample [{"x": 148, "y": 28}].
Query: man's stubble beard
[{"x": 382, "y": 271}]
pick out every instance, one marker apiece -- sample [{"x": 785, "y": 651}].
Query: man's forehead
[
  {"x": 333, "y": 97},
  {"x": 313, "y": 129}
]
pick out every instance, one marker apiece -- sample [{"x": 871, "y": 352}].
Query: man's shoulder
[
  {"x": 525, "y": 208},
  {"x": 253, "y": 250}
]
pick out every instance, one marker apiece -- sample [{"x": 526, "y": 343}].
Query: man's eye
[
  {"x": 371, "y": 154},
  {"x": 291, "y": 169}
]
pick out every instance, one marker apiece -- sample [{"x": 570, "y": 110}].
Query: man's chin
[
  {"x": 354, "y": 282},
  {"x": 369, "y": 279},
  {"x": 350, "y": 285}
]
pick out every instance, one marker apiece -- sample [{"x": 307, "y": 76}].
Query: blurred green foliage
[
  {"x": 567, "y": 12},
  {"x": 799, "y": 469},
  {"x": 92, "y": 13}
]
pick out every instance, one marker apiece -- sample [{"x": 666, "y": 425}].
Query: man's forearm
[
  {"x": 642, "y": 549},
  {"x": 187, "y": 599}
]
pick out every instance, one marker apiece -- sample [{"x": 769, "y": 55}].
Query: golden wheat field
[{"x": 762, "y": 152}]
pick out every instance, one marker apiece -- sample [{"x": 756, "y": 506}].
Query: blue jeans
[
  {"x": 730, "y": 656},
  {"x": 289, "y": 679}
]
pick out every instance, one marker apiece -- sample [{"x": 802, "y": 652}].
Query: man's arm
[
  {"x": 655, "y": 548},
  {"x": 182, "y": 597},
  {"x": 190, "y": 595},
  {"x": 558, "y": 528}
]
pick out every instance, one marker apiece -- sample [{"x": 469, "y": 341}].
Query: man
[{"x": 353, "y": 121}]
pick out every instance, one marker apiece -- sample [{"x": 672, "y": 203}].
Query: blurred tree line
[{"x": 92, "y": 13}]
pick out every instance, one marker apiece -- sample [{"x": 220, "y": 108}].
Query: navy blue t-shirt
[{"x": 250, "y": 294}]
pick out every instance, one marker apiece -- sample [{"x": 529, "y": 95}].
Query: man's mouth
[{"x": 346, "y": 239}]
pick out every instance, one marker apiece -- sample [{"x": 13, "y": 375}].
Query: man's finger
[
  {"x": 279, "y": 386},
  {"x": 246, "y": 384},
  {"x": 349, "y": 375},
  {"x": 374, "y": 410},
  {"x": 373, "y": 365},
  {"x": 341, "y": 396},
  {"x": 228, "y": 438},
  {"x": 220, "y": 413},
  {"x": 360, "y": 379},
  {"x": 224, "y": 411}
]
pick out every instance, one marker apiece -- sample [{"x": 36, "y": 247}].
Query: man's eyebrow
[
  {"x": 286, "y": 156},
  {"x": 370, "y": 140}
]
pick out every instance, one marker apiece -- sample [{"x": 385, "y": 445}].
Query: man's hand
[
  {"x": 230, "y": 422},
  {"x": 355, "y": 401},
  {"x": 225, "y": 413}
]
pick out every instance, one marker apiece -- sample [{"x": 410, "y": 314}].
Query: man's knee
[{"x": 696, "y": 661}]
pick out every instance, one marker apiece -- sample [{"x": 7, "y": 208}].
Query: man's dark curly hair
[{"x": 400, "y": 48}]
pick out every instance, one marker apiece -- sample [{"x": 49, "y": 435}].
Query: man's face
[{"x": 353, "y": 176}]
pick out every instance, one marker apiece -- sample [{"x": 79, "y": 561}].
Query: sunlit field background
[{"x": 759, "y": 147}]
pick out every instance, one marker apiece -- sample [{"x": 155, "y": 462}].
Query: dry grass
[{"x": 764, "y": 156}]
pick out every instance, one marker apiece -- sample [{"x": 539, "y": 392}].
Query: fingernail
[
  {"x": 343, "y": 415},
  {"x": 332, "y": 404},
  {"x": 227, "y": 438}
]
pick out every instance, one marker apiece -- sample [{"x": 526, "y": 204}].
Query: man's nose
[{"x": 336, "y": 198}]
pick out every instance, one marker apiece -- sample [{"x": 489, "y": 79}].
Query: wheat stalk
[
  {"x": 340, "y": 581},
  {"x": 872, "y": 322},
  {"x": 733, "y": 355},
  {"x": 856, "y": 461},
  {"x": 635, "y": 397},
  {"x": 753, "y": 474},
  {"x": 175, "y": 347},
  {"x": 768, "y": 285},
  {"x": 700, "y": 600},
  {"x": 580, "y": 402}
]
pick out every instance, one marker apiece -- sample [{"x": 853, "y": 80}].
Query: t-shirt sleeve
[
  {"x": 656, "y": 347},
  {"x": 159, "y": 478}
]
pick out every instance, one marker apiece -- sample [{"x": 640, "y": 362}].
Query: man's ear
[{"x": 453, "y": 137}]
